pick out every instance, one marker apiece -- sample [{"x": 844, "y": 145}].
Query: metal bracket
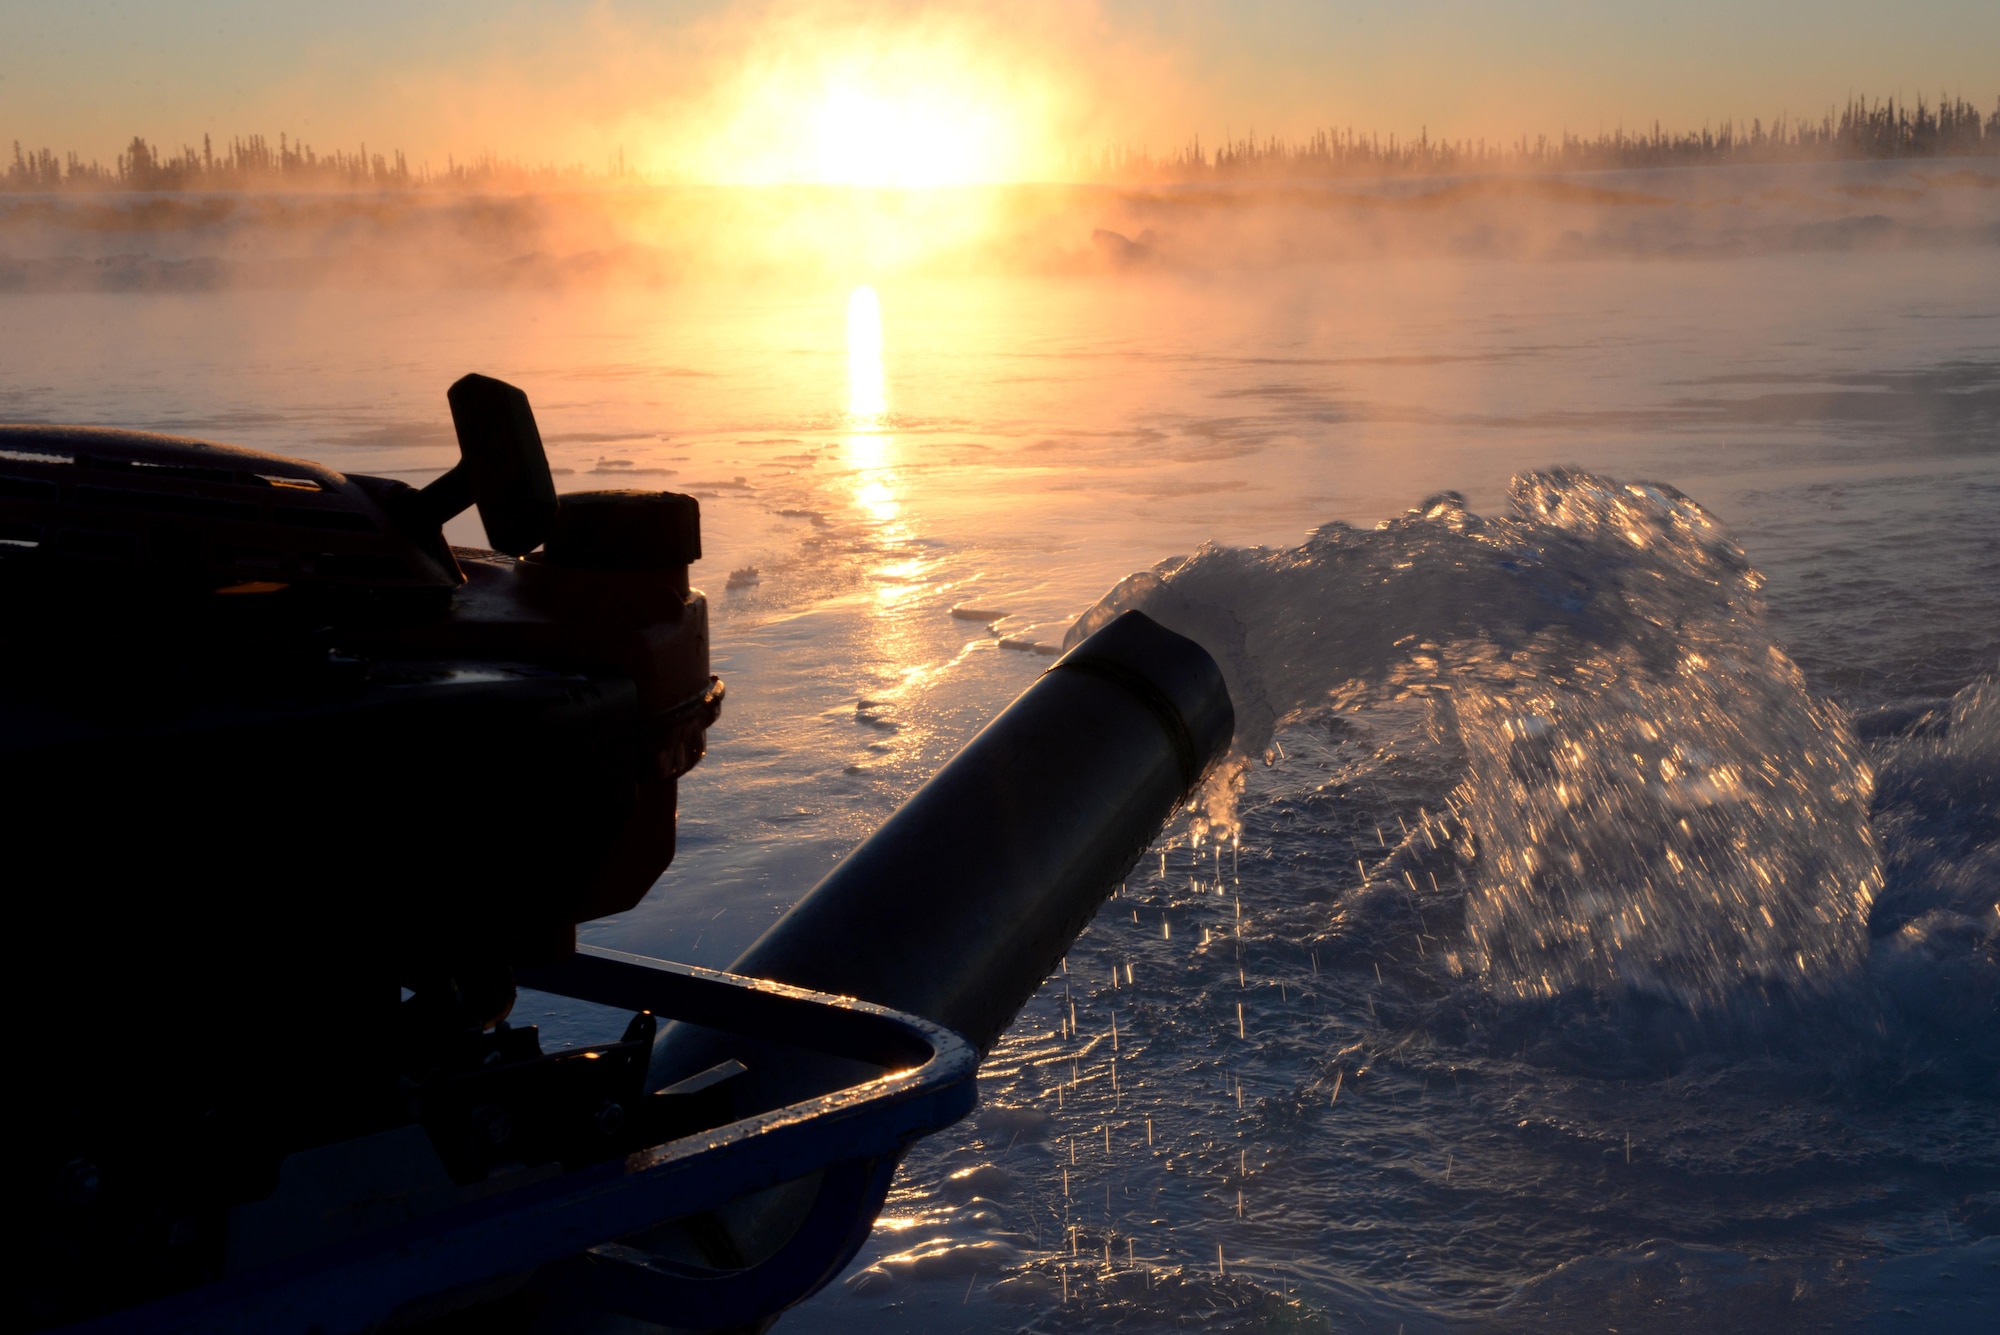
[{"x": 856, "y": 1134}]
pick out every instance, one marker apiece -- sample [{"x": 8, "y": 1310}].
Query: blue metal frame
[{"x": 856, "y": 1135}]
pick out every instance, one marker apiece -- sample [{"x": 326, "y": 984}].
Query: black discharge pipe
[
  {"x": 962, "y": 903},
  {"x": 966, "y": 899},
  {"x": 958, "y": 908}
]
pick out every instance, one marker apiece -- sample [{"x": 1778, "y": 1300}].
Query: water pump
[{"x": 296, "y": 796}]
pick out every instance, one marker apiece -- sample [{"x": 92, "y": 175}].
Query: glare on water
[{"x": 866, "y": 398}]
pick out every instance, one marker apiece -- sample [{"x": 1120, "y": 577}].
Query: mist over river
[{"x": 1601, "y": 930}]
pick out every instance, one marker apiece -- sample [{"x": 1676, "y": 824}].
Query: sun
[
  {"x": 902, "y": 136},
  {"x": 929, "y": 109}
]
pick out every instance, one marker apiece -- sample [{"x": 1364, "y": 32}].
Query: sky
[{"x": 862, "y": 90}]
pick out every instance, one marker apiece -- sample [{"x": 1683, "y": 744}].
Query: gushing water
[
  {"x": 1648, "y": 798},
  {"x": 1549, "y": 826}
]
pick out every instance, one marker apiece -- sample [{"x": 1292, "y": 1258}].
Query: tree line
[
  {"x": 1860, "y": 130},
  {"x": 253, "y": 162}
]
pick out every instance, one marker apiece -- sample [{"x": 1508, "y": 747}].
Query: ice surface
[{"x": 1496, "y": 1157}]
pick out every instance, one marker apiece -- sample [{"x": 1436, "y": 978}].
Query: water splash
[
  {"x": 1652, "y": 800},
  {"x": 1937, "y": 921}
]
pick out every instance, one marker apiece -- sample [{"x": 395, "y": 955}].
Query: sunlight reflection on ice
[
  {"x": 869, "y": 450},
  {"x": 864, "y": 354},
  {"x": 900, "y": 574}
]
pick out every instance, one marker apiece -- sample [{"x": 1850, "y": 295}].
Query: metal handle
[{"x": 857, "y": 1133}]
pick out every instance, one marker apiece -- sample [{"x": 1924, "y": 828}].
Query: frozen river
[{"x": 1387, "y": 1141}]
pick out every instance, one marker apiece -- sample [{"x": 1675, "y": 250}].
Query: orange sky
[{"x": 894, "y": 91}]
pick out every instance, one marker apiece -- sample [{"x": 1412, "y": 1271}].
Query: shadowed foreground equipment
[{"x": 324, "y": 789}]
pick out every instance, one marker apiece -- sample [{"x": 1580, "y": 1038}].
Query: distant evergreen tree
[{"x": 1857, "y": 130}]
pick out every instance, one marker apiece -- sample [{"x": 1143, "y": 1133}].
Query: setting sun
[
  {"x": 902, "y": 110},
  {"x": 904, "y": 137}
]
